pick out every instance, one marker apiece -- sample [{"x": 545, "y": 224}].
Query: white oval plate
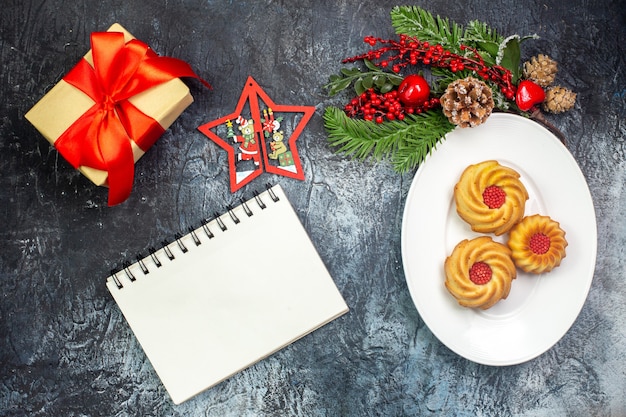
[{"x": 540, "y": 309}]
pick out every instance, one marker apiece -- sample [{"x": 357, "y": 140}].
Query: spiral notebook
[{"x": 226, "y": 294}]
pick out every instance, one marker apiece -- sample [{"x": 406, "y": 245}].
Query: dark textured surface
[{"x": 65, "y": 349}]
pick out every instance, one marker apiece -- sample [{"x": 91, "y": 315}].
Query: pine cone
[
  {"x": 467, "y": 102},
  {"x": 559, "y": 99},
  {"x": 541, "y": 69}
]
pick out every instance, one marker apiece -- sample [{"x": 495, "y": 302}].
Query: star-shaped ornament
[{"x": 259, "y": 136}]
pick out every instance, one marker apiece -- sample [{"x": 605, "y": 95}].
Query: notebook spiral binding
[{"x": 152, "y": 256}]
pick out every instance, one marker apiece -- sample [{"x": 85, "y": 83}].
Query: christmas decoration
[
  {"x": 375, "y": 106},
  {"x": 465, "y": 73},
  {"x": 559, "y": 99},
  {"x": 541, "y": 69},
  {"x": 413, "y": 90},
  {"x": 111, "y": 107},
  {"x": 259, "y": 136},
  {"x": 467, "y": 102},
  {"x": 529, "y": 94}
]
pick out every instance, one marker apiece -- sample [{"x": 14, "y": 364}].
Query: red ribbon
[{"x": 101, "y": 137}]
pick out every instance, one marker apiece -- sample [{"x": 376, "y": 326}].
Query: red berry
[
  {"x": 539, "y": 243},
  {"x": 413, "y": 90},
  {"x": 480, "y": 273},
  {"x": 494, "y": 197}
]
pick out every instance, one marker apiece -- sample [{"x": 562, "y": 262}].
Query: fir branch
[
  {"x": 481, "y": 36},
  {"x": 405, "y": 143},
  {"x": 494, "y": 48},
  {"x": 480, "y": 32},
  {"x": 417, "y": 22},
  {"x": 425, "y": 131}
]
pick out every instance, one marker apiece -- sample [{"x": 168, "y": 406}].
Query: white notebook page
[{"x": 230, "y": 301}]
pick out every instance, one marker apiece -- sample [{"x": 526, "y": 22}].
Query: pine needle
[
  {"x": 405, "y": 143},
  {"x": 417, "y": 22}
]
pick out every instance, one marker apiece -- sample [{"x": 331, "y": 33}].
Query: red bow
[{"x": 101, "y": 137}]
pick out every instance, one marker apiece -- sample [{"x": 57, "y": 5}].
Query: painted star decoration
[{"x": 259, "y": 136}]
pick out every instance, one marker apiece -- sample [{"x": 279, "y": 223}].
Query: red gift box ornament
[{"x": 101, "y": 137}]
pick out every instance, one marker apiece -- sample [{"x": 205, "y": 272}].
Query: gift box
[
  {"x": 285, "y": 159},
  {"x": 111, "y": 108}
]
